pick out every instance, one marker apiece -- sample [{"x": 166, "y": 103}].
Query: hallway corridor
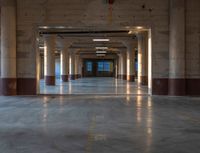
[{"x": 94, "y": 86}]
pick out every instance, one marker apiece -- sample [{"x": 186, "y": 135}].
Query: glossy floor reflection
[
  {"x": 93, "y": 86},
  {"x": 99, "y": 124}
]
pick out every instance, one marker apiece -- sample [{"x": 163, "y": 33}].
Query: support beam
[
  {"x": 64, "y": 59},
  {"x": 41, "y": 67},
  {"x": 49, "y": 58},
  {"x": 8, "y": 48},
  {"x": 123, "y": 65},
  {"x": 119, "y": 66},
  {"x": 131, "y": 64},
  {"x": 143, "y": 58},
  {"x": 116, "y": 68},
  {"x": 72, "y": 74},
  {"x": 130, "y": 60},
  {"x": 177, "y": 81},
  {"x": 77, "y": 62},
  {"x": 80, "y": 67}
]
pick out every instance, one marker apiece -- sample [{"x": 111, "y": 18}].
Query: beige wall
[
  {"x": 193, "y": 39},
  {"x": 85, "y": 13}
]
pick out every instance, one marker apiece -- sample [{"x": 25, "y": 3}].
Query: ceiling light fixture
[
  {"x": 101, "y": 40},
  {"x": 130, "y": 32},
  {"x": 41, "y": 47},
  {"x": 101, "y": 47},
  {"x": 44, "y": 27},
  {"x": 101, "y": 52},
  {"x": 139, "y": 27},
  {"x": 60, "y": 27}
]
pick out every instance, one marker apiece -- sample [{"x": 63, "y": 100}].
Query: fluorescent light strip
[
  {"x": 101, "y": 47},
  {"x": 130, "y": 32},
  {"x": 101, "y": 39},
  {"x": 101, "y": 52},
  {"x": 41, "y": 47},
  {"x": 139, "y": 27}
]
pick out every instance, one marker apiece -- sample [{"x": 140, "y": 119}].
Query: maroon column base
[
  {"x": 131, "y": 78},
  {"x": 177, "y": 87},
  {"x": 160, "y": 86},
  {"x": 124, "y": 77},
  {"x": 72, "y": 77},
  {"x": 26, "y": 86},
  {"x": 193, "y": 87},
  {"x": 144, "y": 80},
  {"x": 65, "y": 78},
  {"x": 8, "y": 86},
  {"x": 119, "y": 76},
  {"x": 79, "y": 76},
  {"x": 50, "y": 80}
]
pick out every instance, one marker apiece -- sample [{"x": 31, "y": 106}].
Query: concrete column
[
  {"x": 177, "y": 85},
  {"x": 116, "y": 68},
  {"x": 77, "y": 61},
  {"x": 41, "y": 67},
  {"x": 49, "y": 58},
  {"x": 80, "y": 66},
  {"x": 123, "y": 65},
  {"x": 64, "y": 59},
  {"x": 130, "y": 61},
  {"x": 143, "y": 58},
  {"x": 119, "y": 66},
  {"x": 72, "y": 72},
  {"x": 8, "y": 48}
]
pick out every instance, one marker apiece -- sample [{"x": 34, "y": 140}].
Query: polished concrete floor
[
  {"x": 93, "y": 86},
  {"x": 99, "y": 124}
]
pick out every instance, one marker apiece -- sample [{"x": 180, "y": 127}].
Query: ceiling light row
[
  {"x": 101, "y": 52},
  {"x": 101, "y": 40},
  {"x": 102, "y": 48}
]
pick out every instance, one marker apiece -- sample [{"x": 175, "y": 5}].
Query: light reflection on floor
[
  {"x": 94, "y": 86},
  {"x": 99, "y": 124}
]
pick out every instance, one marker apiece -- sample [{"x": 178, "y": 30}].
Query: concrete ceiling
[{"x": 81, "y": 38}]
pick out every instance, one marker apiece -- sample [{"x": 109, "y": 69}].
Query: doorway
[{"x": 97, "y": 75}]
